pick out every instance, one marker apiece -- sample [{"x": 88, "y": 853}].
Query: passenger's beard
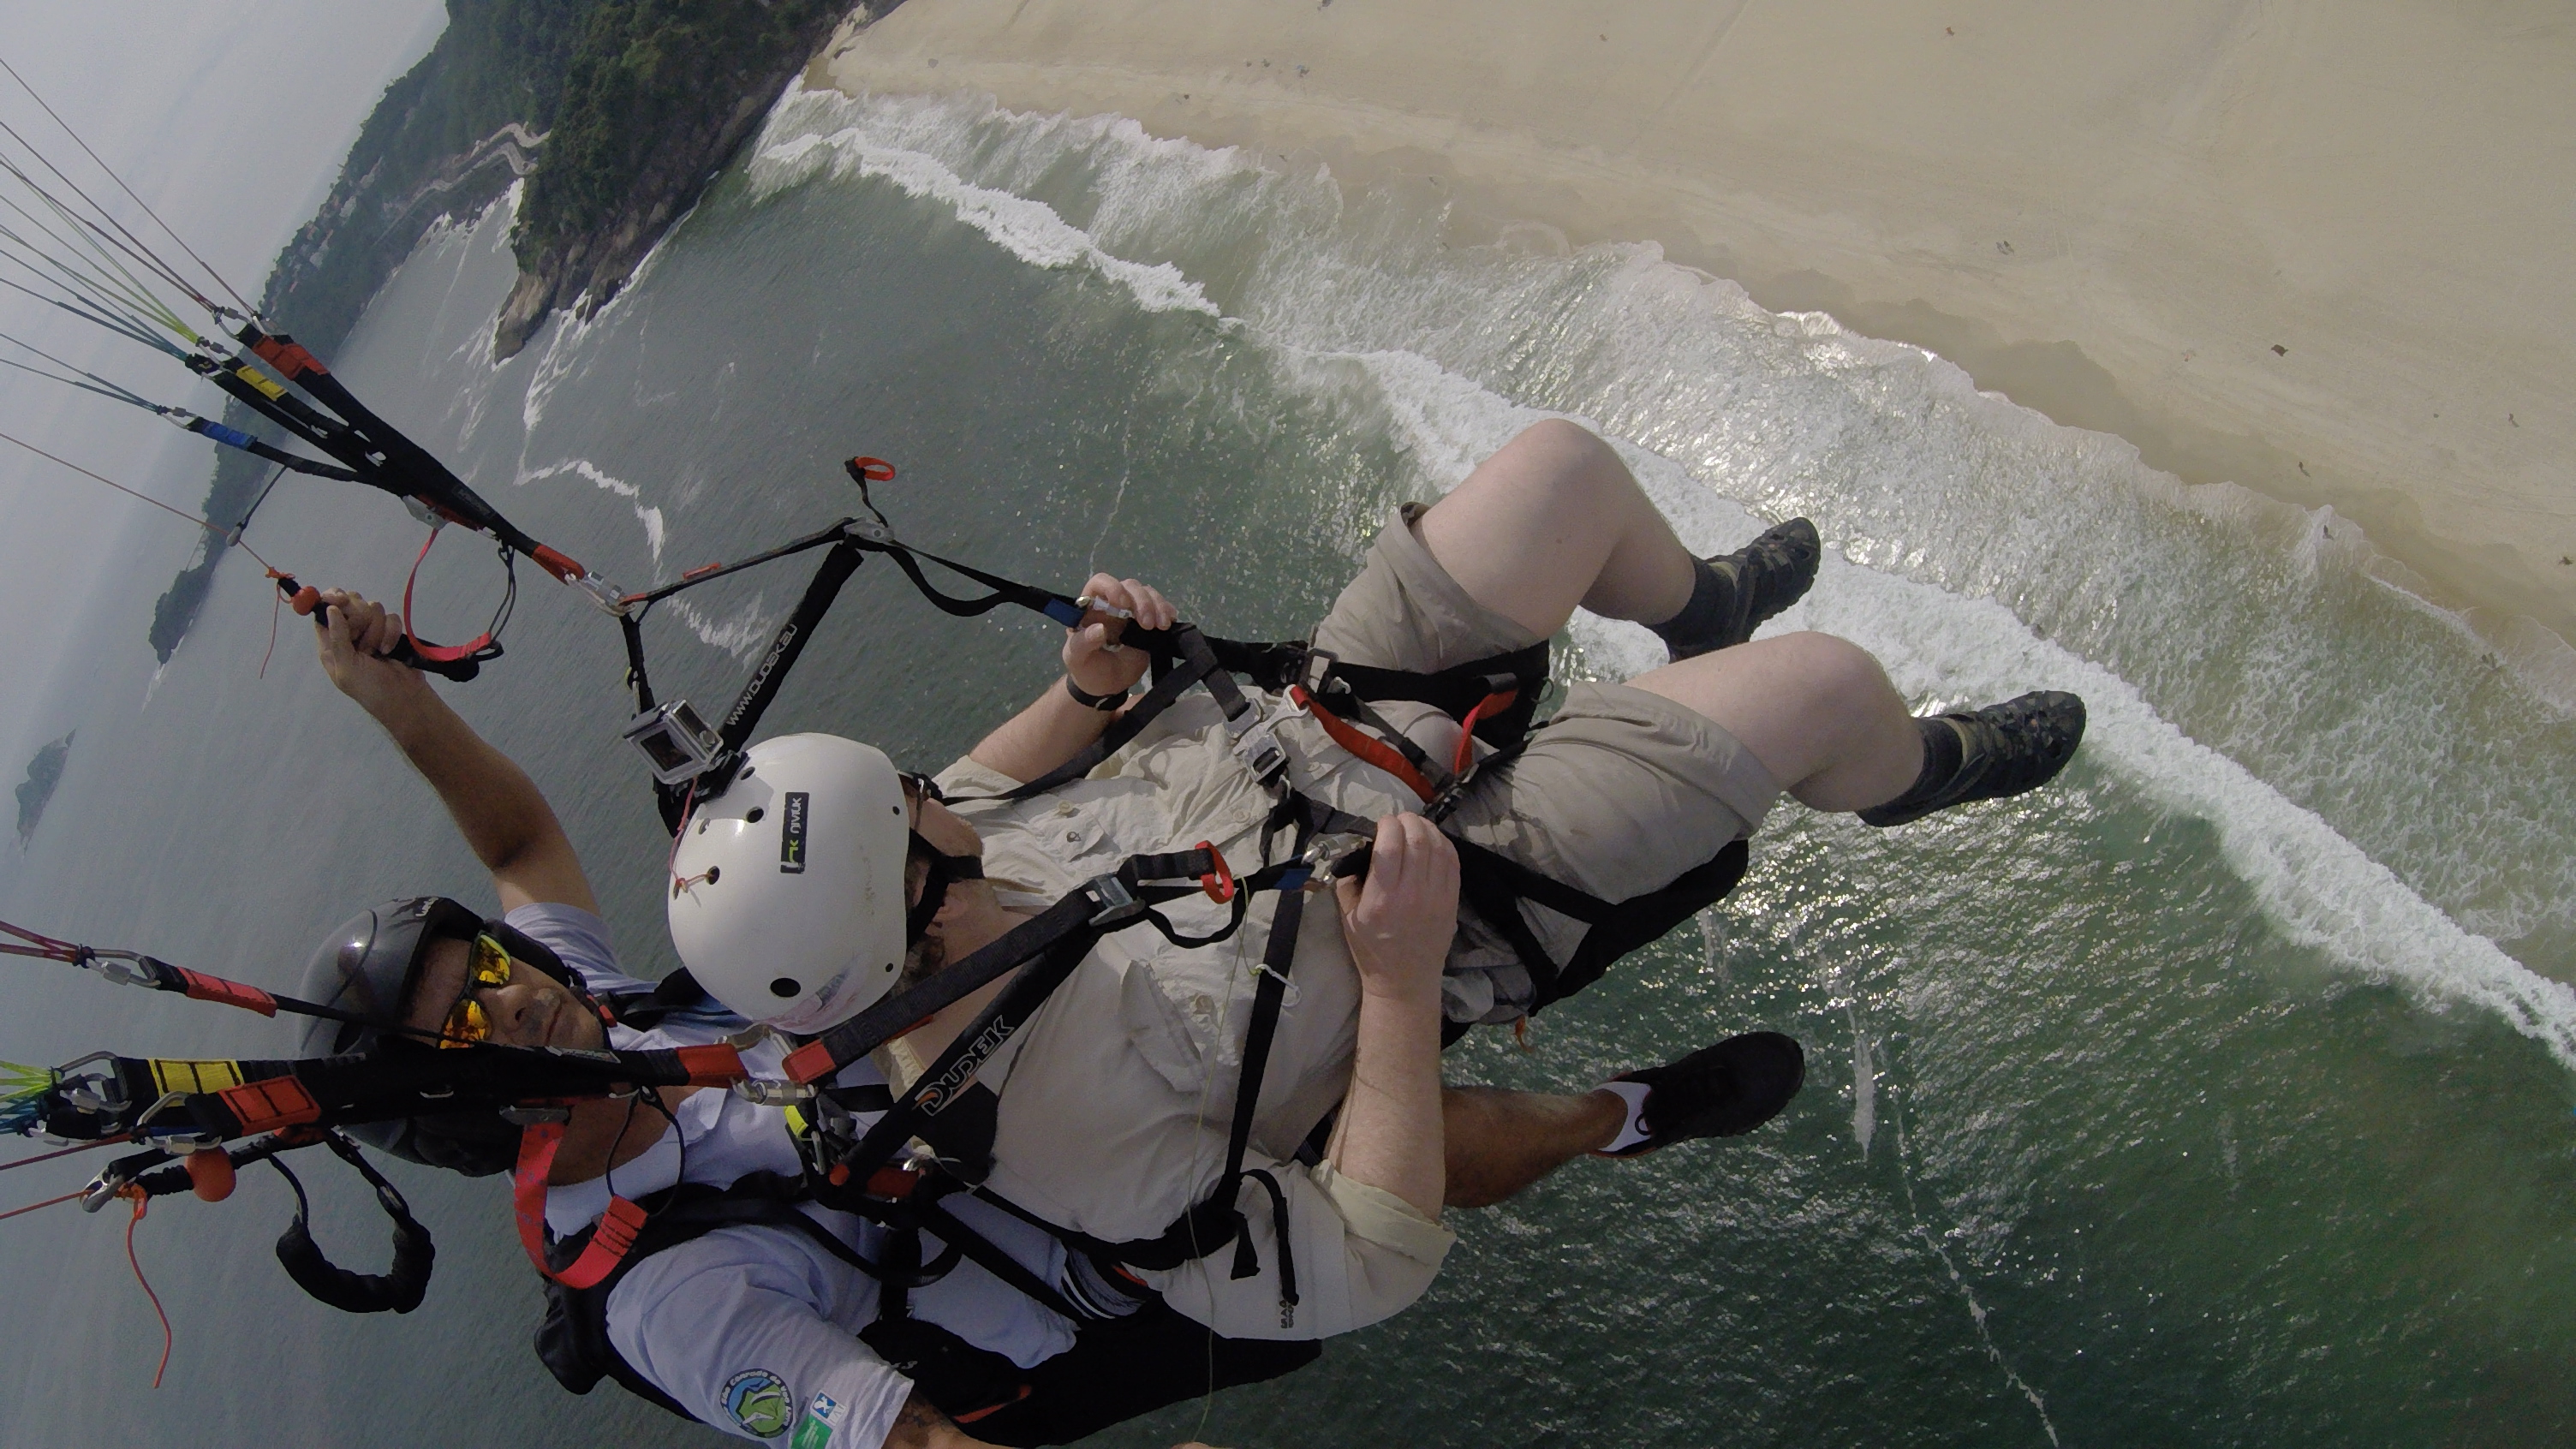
[{"x": 926, "y": 959}]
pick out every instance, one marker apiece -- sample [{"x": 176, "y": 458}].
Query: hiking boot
[
  {"x": 1737, "y": 592},
  {"x": 1725, "y": 1090},
  {"x": 1987, "y": 754}
]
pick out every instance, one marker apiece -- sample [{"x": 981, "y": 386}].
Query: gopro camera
[{"x": 676, "y": 741}]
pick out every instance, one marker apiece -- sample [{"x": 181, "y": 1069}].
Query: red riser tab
[
  {"x": 712, "y": 1066},
  {"x": 202, "y": 987},
  {"x": 265, "y": 1106}
]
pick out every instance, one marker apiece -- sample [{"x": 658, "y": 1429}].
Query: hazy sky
[{"x": 231, "y": 118}]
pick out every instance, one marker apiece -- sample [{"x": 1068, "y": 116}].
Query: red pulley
[{"x": 210, "y": 1173}]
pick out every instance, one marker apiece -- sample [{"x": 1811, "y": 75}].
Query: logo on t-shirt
[
  {"x": 816, "y": 1431},
  {"x": 759, "y": 1402},
  {"x": 791, "y": 835}
]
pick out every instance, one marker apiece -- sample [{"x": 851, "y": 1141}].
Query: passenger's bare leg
[
  {"x": 1553, "y": 520},
  {"x": 1817, "y": 711},
  {"x": 1497, "y": 1142}
]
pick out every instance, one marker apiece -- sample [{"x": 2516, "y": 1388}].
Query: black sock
[
  {"x": 1704, "y": 620},
  {"x": 1943, "y": 753}
]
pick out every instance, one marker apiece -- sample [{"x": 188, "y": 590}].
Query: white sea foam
[
  {"x": 1864, "y": 1083},
  {"x": 564, "y": 357},
  {"x": 649, "y": 515},
  {"x": 1029, "y": 230},
  {"x": 737, "y": 634}
]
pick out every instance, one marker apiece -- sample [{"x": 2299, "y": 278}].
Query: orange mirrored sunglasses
[{"x": 468, "y": 1023}]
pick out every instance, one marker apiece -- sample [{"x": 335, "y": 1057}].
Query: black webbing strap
[
  {"x": 947, "y": 1078},
  {"x": 1216, "y": 1220},
  {"x": 1495, "y": 871},
  {"x": 980, "y": 1250},
  {"x": 1084, "y": 913},
  {"x": 1005, "y": 591},
  {"x": 1456, "y": 690},
  {"x": 1276, "y": 959},
  {"x": 897, "y": 1014}
]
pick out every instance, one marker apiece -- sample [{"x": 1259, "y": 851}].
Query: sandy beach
[{"x": 2314, "y": 250}]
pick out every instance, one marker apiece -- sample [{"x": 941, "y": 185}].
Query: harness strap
[
  {"x": 1005, "y": 591},
  {"x": 608, "y": 1243},
  {"x": 1276, "y": 959},
  {"x": 1365, "y": 747},
  {"x": 1217, "y": 1219},
  {"x": 984, "y": 1254},
  {"x": 1454, "y": 691}
]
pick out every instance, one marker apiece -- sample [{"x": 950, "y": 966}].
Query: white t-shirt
[{"x": 753, "y": 1329}]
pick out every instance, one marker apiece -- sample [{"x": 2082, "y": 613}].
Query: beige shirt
[{"x": 1117, "y": 1098}]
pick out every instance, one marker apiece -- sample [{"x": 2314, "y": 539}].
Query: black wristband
[{"x": 1101, "y": 702}]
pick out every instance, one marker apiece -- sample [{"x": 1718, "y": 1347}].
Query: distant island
[
  {"x": 614, "y": 112},
  {"x": 44, "y": 773}
]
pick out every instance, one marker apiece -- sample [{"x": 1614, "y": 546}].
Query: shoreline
[{"x": 2112, "y": 219}]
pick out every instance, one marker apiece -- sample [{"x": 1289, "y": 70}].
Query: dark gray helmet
[{"x": 368, "y": 966}]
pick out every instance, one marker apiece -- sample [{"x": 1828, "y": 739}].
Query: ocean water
[{"x": 2220, "y": 1093}]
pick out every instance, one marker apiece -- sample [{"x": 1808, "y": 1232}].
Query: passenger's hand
[
  {"x": 1090, "y": 656},
  {"x": 1399, "y": 922},
  {"x": 352, "y": 636}
]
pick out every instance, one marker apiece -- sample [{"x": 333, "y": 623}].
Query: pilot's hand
[
  {"x": 1091, "y": 656},
  {"x": 352, "y": 635}
]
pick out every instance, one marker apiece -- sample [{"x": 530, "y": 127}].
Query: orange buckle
[{"x": 1220, "y": 884}]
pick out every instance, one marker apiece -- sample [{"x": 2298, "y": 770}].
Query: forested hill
[
  {"x": 615, "y": 112},
  {"x": 44, "y": 772}
]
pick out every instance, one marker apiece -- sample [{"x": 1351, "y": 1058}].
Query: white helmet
[{"x": 787, "y": 890}]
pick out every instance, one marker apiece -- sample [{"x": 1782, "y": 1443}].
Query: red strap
[
  {"x": 202, "y": 987},
  {"x": 609, "y": 1242},
  {"x": 435, "y": 653},
  {"x": 1374, "y": 751},
  {"x": 1490, "y": 704}
]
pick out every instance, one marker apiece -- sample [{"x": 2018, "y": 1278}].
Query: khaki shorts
[{"x": 1618, "y": 792}]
